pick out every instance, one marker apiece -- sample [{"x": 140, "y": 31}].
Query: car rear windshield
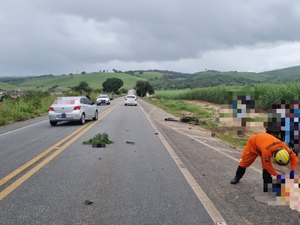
[
  {"x": 64, "y": 102},
  {"x": 130, "y": 96}
]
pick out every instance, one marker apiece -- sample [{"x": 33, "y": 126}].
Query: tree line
[{"x": 113, "y": 85}]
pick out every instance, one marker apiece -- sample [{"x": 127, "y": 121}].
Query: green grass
[
  {"x": 235, "y": 140},
  {"x": 25, "y": 107},
  {"x": 265, "y": 95},
  {"x": 64, "y": 82},
  {"x": 150, "y": 75},
  {"x": 181, "y": 108},
  {"x": 6, "y": 86},
  {"x": 206, "y": 117},
  {"x": 170, "y": 94}
]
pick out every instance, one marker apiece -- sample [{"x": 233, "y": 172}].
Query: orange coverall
[{"x": 265, "y": 144}]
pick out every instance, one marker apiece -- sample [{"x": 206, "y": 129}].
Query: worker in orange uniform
[{"x": 269, "y": 148}]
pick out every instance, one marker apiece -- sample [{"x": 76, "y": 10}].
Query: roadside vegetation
[
  {"x": 265, "y": 95},
  {"x": 206, "y": 118},
  {"x": 174, "y": 92},
  {"x": 25, "y": 107}
]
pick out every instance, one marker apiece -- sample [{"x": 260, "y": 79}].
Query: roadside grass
[
  {"x": 180, "y": 108},
  {"x": 32, "y": 104},
  {"x": 25, "y": 107},
  {"x": 234, "y": 140}
]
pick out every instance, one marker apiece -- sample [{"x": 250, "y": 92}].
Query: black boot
[
  {"x": 267, "y": 178},
  {"x": 239, "y": 174}
]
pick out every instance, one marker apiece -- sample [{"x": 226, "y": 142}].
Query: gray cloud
[{"x": 51, "y": 36}]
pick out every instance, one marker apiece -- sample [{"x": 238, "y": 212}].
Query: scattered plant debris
[{"x": 98, "y": 139}]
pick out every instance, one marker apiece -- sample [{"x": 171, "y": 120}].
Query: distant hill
[
  {"x": 65, "y": 82},
  {"x": 6, "y": 86},
  {"x": 159, "y": 79},
  {"x": 287, "y": 74},
  {"x": 175, "y": 80}
]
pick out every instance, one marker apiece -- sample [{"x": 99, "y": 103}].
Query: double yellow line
[{"x": 55, "y": 149}]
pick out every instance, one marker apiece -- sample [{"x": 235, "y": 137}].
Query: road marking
[
  {"x": 31, "y": 125},
  {"x": 38, "y": 157},
  {"x": 206, "y": 202},
  {"x": 76, "y": 134},
  {"x": 209, "y": 146}
]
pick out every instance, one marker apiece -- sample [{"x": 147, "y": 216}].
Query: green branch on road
[{"x": 98, "y": 139}]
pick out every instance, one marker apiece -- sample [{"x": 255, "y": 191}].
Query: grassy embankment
[
  {"x": 25, "y": 107},
  {"x": 266, "y": 95}
]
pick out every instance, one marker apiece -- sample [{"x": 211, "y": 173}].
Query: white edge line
[
  {"x": 31, "y": 125},
  {"x": 206, "y": 202},
  {"x": 211, "y": 147}
]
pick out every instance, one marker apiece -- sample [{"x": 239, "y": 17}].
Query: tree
[
  {"x": 112, "y": 84},
  {"x": 142, "y": 87},
  {"x": 83, "y": 87}
]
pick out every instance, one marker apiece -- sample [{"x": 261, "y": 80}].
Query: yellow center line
[
  {"x": 79, "y": 132},
  {"x": 38, "y": 157}
]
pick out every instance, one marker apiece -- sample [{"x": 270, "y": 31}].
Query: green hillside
[
  {"x": 64, "y": 82},
  {"x": 159, "y": 79},
  {"x": 6, "y": 86},
  {"x": 286, "y": 74}
]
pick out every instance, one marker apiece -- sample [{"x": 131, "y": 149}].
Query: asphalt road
[
  {"x": 136, "y": 183},
  {"x": 168, "y": 173}
]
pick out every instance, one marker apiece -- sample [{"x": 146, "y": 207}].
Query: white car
[
  {"x": 103, "y": 99},
  {"x": 76, "y": 108},
  {"x": 131, "y": 100}
]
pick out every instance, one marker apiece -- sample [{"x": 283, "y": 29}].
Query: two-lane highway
[
  {"x": 155, "y": 172},
  {"x": 127, "y": 183}
]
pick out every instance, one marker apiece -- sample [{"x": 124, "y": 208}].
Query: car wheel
[
  {"x": 82, "y": 119},
  {"x": 53, "y": 123},
  {"x": 96, "y": 115},
  {"x": 108, "y": 103}
]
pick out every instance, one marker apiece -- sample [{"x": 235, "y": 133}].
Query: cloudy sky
[{"x": 67, "y": 36}]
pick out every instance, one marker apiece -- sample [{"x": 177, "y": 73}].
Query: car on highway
[
  {"x": 75, "y": 108},
  {"x": 103, "y": 99},
  {"x": 130, "y": 100}
]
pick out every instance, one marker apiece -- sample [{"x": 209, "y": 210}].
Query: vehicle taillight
[
  {"x": 77, "y": 107},
  {"x": 51, "y": 109}
]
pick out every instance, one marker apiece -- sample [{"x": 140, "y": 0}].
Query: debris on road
[
  {"x": 88, "y": 202},
  {"x": 187, "y": 119},
  {"x": 171, "y": 119},
  {"x": 130, "y": 142}
]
